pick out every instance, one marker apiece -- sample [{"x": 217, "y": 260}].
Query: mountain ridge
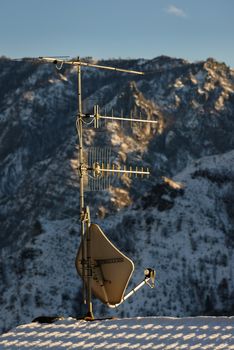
[{"x": 39, "y": 193}]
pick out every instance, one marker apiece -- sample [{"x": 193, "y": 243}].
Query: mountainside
[{"x": 183, "y": 228}]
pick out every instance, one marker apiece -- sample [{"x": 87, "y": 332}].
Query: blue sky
[{"x": 190, "y": 29}]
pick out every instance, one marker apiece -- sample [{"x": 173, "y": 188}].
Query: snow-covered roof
[{"x": 133, "y": 333}]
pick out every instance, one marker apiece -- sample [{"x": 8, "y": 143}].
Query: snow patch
[{"x": 133, "y": 333}]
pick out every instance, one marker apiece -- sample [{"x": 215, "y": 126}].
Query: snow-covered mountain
[{"x": 182, "y": 227}]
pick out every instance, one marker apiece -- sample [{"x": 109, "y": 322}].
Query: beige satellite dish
[{"x": 112, "y": 270}]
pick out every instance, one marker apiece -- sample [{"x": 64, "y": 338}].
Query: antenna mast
[
  {"x": 83, "y": 215},
  {"x": 87, "y": 229}
]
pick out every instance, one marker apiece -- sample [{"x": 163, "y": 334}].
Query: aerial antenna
[{"x": 105, "y": 270}]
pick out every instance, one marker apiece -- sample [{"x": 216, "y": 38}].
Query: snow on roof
[{"x": 133, "y": 333}]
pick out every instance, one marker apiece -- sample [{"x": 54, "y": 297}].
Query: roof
[{"x": 133, "y": 333}]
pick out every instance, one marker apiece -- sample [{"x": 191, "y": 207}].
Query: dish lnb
[{"x": 150, "y": 274}]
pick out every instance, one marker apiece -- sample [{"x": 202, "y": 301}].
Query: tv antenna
[{"x": 105, "y": 270}]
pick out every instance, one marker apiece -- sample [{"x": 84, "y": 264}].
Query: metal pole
[
  {"x": 134, "y": 290},
  {"x": 89, "y": 314},
  {"x": 81, "y": 174},
  {"x": 84, "y": 214}
]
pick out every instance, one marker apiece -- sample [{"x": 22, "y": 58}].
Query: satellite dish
[{"x": 111, "y": 269}]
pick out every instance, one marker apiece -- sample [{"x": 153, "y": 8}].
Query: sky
[{"x": 189, "y": 29}]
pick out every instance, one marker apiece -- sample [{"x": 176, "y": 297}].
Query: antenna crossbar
[
  {"x": 86, "y": 64},
  {"x": 96, "y": 116},
  {"x": 100, "y": 170},
  {"x": 108, "y": 68},
  {"x": 121, "y": 171},
  {"x": 126, "y": 119}
]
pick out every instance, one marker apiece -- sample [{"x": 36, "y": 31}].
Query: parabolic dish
[{"x": 111, "y": 269}]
